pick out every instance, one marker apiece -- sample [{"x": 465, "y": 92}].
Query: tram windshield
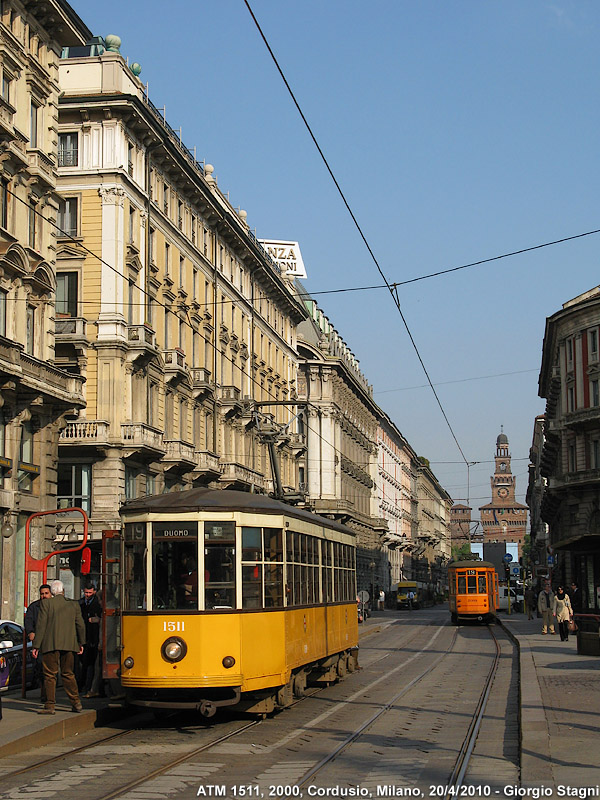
[{"x": 175, "y": 565}]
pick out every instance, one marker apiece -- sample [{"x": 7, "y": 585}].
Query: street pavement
[{"x": 560, "y": 705}]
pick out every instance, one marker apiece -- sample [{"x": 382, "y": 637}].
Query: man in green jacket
[{"x": 59, "y": 634}]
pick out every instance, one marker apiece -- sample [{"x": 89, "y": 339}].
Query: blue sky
[{"x": 458, "y": 131}]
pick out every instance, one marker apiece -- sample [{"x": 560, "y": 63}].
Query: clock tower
[{"x": 503, "y": 520}]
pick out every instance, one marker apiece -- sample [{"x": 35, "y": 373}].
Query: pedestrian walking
[
  {"x": 381, "y": 600},
  {"x": 575, "y": 598},
  {"x": 59, "y": 635},
  {"x": 31, "y": 617},
  {"x": 563, "y": 613},
  {"x": 545, "y": 600},
  {"x": 91, "y": 611},
  {"x": 410, "y": 597},
  {"x": 530, "y": 601}
]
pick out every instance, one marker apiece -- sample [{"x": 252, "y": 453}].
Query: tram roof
[
  {"x": 202, "y": 499},
  {"x": 470, "y": 564}
]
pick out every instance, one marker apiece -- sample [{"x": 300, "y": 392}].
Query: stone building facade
[
  {"x": 433, "y": 551},
  {"x": 570, "y": 450},
  {"x": 397, "y": 494},
  {"x": 339, "y": 468},
  {"x": 181, "y": 324},
  {"x": 503, "y": 519},
  {"x": 537, "y": 564},
  {"x": 461, "y": 520},
  {"x": 36, "y": 397}
]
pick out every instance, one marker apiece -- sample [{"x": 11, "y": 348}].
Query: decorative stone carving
[{"x": 112, "y": 195}]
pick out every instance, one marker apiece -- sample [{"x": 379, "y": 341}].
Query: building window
[
  {"x": 594, "y": 393},
  {"x": 4, "y": 203},
  {"x": 181, "y": 270},
  {"x": 166, "y": 199},
  {"x": 32, "y": 225},
  {"x": 131, "y": 224},
  {"x": 131, "y": 303},
  {"x": 3, "y": 300},
  {"x": 571, "y": 458},
  {"x": 130, "y": 483},
  {"x": 66, "y": 294},
  {"x": 182, "y": 334},
  {"x": 67, "y": 216},
  {"x": 130, "y": 158},
  {"x": 27, "y": 469},
  {"x": 570, "y": 399},
  {"x": 167, "y": 257},
  {"x": 74, "y": 489},
  {"x": 167, "y": 314},
  {"x": 30, "y": 330},
  {"x": 150, "y": 484},
  {"x": 34, "y": 124},
  {"x": 68, "y": 149},
  {"x": 7, "y": 82},
  {"x": 151, "y": 248},
  {"x": 593, "y": 339},
  {"x": 595, "y": 453},
  {"x": 569, "y": 350}
]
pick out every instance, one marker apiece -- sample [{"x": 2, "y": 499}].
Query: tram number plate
[
  {"x": 173, "y": 627},
  {"x": 471, "y": 572}
]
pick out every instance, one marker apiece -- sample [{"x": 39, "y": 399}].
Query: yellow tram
[
  {"x": 230, "y": 598},
  {"x": 472, "y": 591}
]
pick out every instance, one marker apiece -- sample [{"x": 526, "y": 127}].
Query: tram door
[{"x": 111, "y": 615}]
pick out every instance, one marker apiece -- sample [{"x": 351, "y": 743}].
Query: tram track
[{"x": 308, "y": 732}]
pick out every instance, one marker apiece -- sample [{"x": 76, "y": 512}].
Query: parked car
[{"x": 11, "y": 650}]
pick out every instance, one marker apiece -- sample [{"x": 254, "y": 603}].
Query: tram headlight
[
  {"x": 173, "y": 649},
  {"x": 128, "y": 663}
]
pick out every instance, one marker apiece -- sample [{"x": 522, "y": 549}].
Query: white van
[{"x": 516, "y": 599}]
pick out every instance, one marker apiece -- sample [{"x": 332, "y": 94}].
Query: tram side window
[
  {"x": 302, "y": 586},
  {"x": 481, "y": 585},
  {"x": 135, "y": 567},
  {"x": 462, "y": 584},
  {"x": 471, "y": 584},
  {"x": 219, "y": 564},
  {"x": 252, "y": 568},
  {"x": 175, "y": 571}
]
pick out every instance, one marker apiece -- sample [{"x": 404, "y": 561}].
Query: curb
[
  {"x": 534, "y": 738},
  {"x": 67, "y": 725}
]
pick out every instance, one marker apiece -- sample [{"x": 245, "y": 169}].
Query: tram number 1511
[{"x": 173, "y": 627}]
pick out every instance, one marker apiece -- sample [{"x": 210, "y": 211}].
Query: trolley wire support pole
[{"x": 41, "y": 565}]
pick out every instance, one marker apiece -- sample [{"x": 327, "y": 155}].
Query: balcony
[
  {"x": 140, "y": 439},
  {"x": 207, "y": 467},
  {"x": 175, "y": 367},
  {"x": 341, "y": 510},
  {"x": 85, "y": 432},
  {"x": 42, "y": 167},
  {"x": 142, "y": 344},
  {"x": 229, "y": 397},
  {"x": 179, "y": 456},
  {"x": 72, "y": 330},
  {"x": 238, "y": 476},
  {"x": 201, "y": 384}
]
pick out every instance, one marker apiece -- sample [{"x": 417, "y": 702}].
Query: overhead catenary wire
[{"x": 392, "y": 288}]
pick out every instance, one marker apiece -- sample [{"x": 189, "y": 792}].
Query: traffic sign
[
  {"x": 516, "y": 570},
  {"x": 507, "y": 558},
  {"x": 550, "y": 561},
  {"x": 364, "y": 597}
]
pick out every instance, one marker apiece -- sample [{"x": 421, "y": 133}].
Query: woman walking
[{"x": 561, "y": 608}]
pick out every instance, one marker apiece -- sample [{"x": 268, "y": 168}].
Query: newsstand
[{"x": 588, "y": 634}]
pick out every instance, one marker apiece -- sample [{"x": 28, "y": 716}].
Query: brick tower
[{"x": 503, "y": 520}]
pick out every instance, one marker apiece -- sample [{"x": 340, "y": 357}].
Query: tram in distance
[
  {"x": 233, "y": 599},
  {"x": 472, "y": 591}
]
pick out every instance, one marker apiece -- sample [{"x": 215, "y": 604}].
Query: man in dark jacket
[
  {"x": 91, "y": 611},
  {"x": 60, "y": 633},
  {"x": 575, "y": 597},
  {"x": 31, "y": 616}
]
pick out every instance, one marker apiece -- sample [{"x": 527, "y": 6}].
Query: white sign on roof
[{"x": 287, "y": 255}]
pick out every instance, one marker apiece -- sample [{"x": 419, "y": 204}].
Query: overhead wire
[{"x": 392, "y": 289}]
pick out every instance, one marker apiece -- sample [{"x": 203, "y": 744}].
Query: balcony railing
[
  {"x": 229, "y": 393},
  {"x": 232, "y": 472},
  {"x": 207, "y": 464},
  {"x": 71, "y": 328},
  {"x": 200, "y": 380},
  {"x": 178, "y": 452},
  {"x": 85, "y": 431},
  {"x": 139, "y": 436}
]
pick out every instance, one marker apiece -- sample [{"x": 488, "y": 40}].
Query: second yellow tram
[{"x": 472, "y": 591}]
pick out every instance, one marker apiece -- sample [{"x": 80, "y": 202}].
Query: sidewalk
[
  {"x": 560, "y": 707},
  {"x": 21, "y": 728}
]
